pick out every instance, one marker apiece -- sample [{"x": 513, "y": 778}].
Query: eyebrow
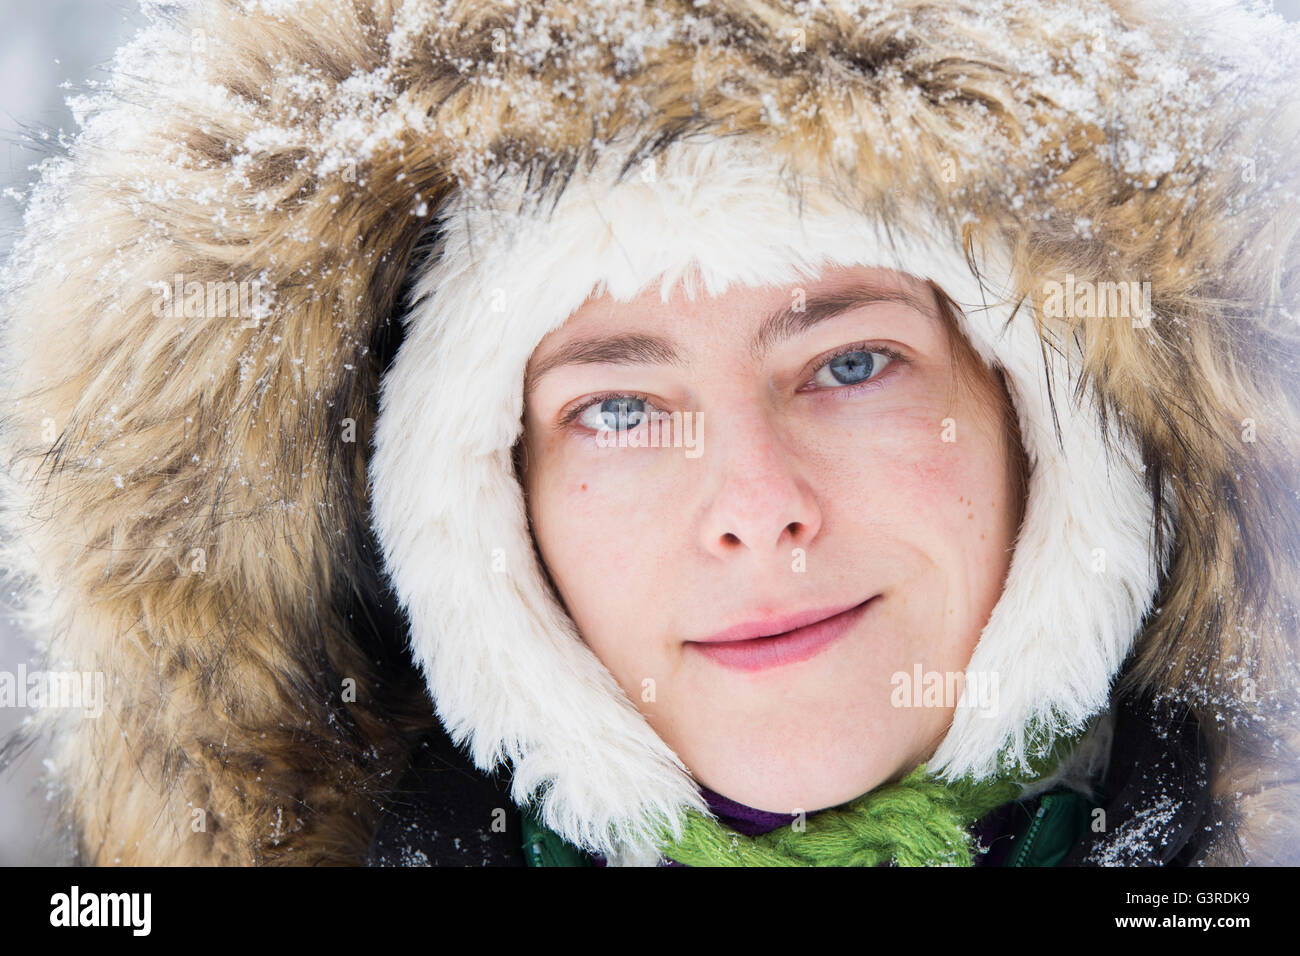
[{"x": 781, "y": 324}]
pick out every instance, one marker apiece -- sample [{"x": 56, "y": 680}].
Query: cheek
[
  {"x": 960, "y": 514},
  {"x": 928, "y": 507},
  {"x": 902, "y": 470},
  {"x": 600, "y": 532},
  {"x": 584, "y": 505}
]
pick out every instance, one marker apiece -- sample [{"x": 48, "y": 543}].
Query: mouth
[{"x": 787, "y": 647}]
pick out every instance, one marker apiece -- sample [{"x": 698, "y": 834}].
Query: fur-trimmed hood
[{"x": 253, "y": 518}]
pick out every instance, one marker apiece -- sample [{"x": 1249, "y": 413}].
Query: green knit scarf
[{"x": 917, "y": 821}]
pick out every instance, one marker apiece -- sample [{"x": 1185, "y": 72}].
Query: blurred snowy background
[{"x": 48, "y": 50}]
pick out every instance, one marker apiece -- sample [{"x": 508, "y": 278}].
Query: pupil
[
  {"x": 851, "y": 367},
  {"x": 622, "y": 412}
]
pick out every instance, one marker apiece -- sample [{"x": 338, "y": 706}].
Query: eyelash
[
  {"x": 894, "y": 356},
  {"x": 573, "y": 414}
]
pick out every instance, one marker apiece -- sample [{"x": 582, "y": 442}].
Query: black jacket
[{"x": 1155, "y": 799}]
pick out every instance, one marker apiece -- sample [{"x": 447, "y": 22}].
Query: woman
[{"x": 840, "y": 437}]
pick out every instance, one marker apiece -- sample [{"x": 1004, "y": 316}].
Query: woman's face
[{"x": 881, "y": 481}]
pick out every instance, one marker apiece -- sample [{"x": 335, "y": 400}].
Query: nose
[{"x": 760, "y": 500}]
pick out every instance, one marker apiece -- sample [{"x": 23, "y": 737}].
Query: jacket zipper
[
  {"x": 1051, "y": 806},
  {"x": 1027, "y": 841}
]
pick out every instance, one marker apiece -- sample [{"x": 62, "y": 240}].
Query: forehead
[
  {"x": 740, "y": 302},
  {"x": 646, "y": 328}
]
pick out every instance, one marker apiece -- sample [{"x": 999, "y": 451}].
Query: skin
[{"x": 650, "y": 548}]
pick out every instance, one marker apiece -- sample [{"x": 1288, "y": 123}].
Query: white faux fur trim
[{"x": 503, "y": 661}]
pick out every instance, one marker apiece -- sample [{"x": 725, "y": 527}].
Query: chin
[
  {"x": 809, "y": 779},
  {"x": 798, "y": 740}
]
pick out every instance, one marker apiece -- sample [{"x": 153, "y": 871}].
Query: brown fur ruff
[{"x": 133, "y": 440}]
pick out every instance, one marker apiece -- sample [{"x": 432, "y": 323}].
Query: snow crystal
[{"x": 1132, "y": 841}]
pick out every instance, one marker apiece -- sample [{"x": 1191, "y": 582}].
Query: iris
[
  {"x": 852, "y": 367},
  {"x": 625, "y": 412}
]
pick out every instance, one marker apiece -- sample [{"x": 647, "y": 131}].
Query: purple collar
[{"x": 743, "y": 819}]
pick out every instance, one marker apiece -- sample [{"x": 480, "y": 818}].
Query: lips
[{"x": 760, "y": 645}]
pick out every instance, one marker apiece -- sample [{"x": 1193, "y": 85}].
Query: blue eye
[
  {"x": 621, "y": 413},
  {"x": 851, "y": 368},
  {"x": 614, "y": 412}
]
